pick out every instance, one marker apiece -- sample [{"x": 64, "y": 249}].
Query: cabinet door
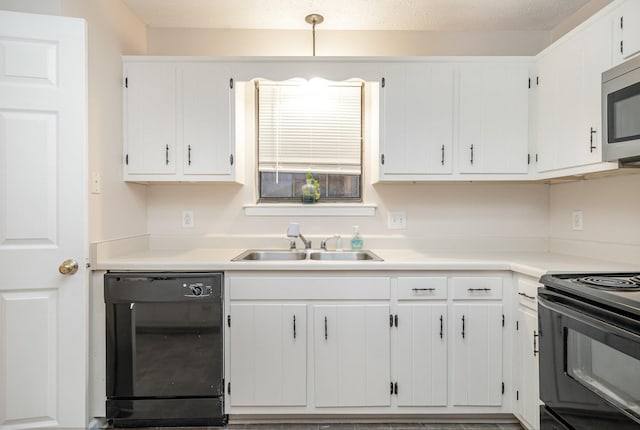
[
  {"x": 477, "y": 354},
  {"x": 528, "y": 392},
  {"x": 627, "y": 30},
  {"x": 421, "y": 355},
  {"x": 149, "y": 118},
  {"x": 416, "y": 117},
  {"x": 351, "y": 355},
  {"x": 268, "y": 355},
  {"x": 205, "y": 126},
  {"x": 494, "y": 118}
]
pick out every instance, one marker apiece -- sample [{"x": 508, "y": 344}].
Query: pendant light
[{"x": 314, "y": 19}]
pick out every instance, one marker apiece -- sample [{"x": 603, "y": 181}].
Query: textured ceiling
[{"x": 427, "y": 15}]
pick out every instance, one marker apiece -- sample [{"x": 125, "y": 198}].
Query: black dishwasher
[{"x": 164, "y": 349}]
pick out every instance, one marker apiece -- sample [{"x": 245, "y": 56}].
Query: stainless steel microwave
[{"x": 621, "y": 113}]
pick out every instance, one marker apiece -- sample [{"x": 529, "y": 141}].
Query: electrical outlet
[
  {"x": 577, "y": 221},
  {"x": 187, "y": 219},
  {"x": 397, "y": 220},
  {"x": 96, "y": 183}
]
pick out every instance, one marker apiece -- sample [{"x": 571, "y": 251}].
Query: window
[{"x": 309, "y": 127}]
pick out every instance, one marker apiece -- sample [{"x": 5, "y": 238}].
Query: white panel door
[
  {"x": 268, "y": 355},
  {"x": 205, "y": 119},
  {"x": 43, "y": 314},
  {"x": 627, "y": 30},
  {"x": 150, "y": 119},
  {"x": 421, "y": 355},
  {"x": 494, "y": 118},
  {"x": 417, "y": 120},
  {"x": 477, "y": 355},
  {"x": 351, "y": 355}
]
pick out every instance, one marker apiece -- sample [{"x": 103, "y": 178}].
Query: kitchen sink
[
  {"x": 270, "y": 255},
  {"x": 344, "y": 256},
  {"x": 283, "y": 255}
]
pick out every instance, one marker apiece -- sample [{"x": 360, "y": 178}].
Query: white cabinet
[
  {"x": 477, "y": 341},
  {"x": 351, "y": 355},
  {"x": 179, "y": 122},
  {"x": 421, "y": 348},
  {"x": 568, "y": 97},
  {"x": 268, "y": 345},
  {"x": 526, "y": 375},
  {"x": 626, "y": 40},
  {"x": 494, "y": 118},
  {"x": 416, "y": 120}
]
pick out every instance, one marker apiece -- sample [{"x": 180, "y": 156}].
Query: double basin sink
[{"x": 294, "y": 255}]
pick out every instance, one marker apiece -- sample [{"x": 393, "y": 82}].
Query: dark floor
[{"x": 377, "y": 426}]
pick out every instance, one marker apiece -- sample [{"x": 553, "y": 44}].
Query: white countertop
[{"x": 219, "y": 259}]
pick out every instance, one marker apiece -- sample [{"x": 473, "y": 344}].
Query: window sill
[{"x": 318, "y": 209}]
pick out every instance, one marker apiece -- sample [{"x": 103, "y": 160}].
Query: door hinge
[
  {"x": 231, "y": 83},
  {"x": 384, "y": 82},
  {"x": 126, "y": 159},
  {"x": 503, "y": 388},
  {"x": 126, "y": 82},
  {"x": 229, "y": 320},
  {"x": 229, "y": 388},
  {"x": 502, "y": 320}
]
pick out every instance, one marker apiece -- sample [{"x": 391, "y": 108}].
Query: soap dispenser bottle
[{"x": 356, "y": 240}]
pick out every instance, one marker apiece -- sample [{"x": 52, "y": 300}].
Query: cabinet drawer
[
  {"x": 422, "y": 288},
  {"x": 528, "y": 292},
  {"x": 477, "y": 288}
]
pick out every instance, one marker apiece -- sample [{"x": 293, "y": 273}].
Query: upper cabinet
[
  {"x": 453, "y": 120},
  {"x": 179, "y": 122},
  {"x": 416, "y": 120},
  {"x": 494, "y": 118},
  {"x": 568, "y": 83},
  {"x": 626, "y": 33}
]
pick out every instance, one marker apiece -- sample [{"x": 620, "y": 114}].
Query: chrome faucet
[
  {"x": 294, "y": 232},
  {"x": 323, "y": 244}
]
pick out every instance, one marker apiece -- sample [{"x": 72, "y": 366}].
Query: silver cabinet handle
[
  {"x": 294, "y": 326},
  {"x": 422, "y": 289},
  {"x": 478, "y": 289},
  {"x": 527, "y": 296},
  {"x": 325, "y": 329},
  {"x": 535, "y": 343},
  {"x": 463, "y": 326}
]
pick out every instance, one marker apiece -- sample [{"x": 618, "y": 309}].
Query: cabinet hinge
[
  {"x": 126, "y": 159},
  {"x": 126, "y": 82},
  {"x": 383, "y": 83},
  {"x": 503, "y": 388},
  {"x": 231, "y": 83},
  {"x": 382, "y": 159},
  {"x": 517, "y": 395},
  {"x": 231, "y": 159},
  {"x": 229, "y": 388},
  {"x": 502, "y": 320},
  {"x": 229, "y": 320}
]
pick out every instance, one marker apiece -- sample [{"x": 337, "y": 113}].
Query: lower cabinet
[
  {"x": 329, "y": 343},
  {"x": 351, "y": 355},
  {"x": 268, "y": 345}
]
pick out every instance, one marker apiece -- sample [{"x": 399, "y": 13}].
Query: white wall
[
  {"x": 611, "y": 214},
  {"x": 120, "y": 209}
]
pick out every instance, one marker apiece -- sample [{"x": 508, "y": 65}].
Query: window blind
[{"x": 310, "y": 128}]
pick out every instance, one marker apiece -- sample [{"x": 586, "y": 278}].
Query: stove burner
[{"x": 612, "y": 283}]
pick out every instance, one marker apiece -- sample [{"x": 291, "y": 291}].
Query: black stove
[{"x": 618, "y": 292}]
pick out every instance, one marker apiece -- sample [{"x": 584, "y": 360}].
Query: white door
[
  {"x": 268, "y": 355},
  {"x": 421, "y": 355},
  {"x": 43, "y": 314},
  {"x": 351, "y": 353},
  {"x": 477, "y": 354}
]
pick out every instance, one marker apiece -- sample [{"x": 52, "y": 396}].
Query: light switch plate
[{"x": 397, "y": 220}]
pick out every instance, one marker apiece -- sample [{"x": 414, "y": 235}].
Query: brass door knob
[{"x": 68, "y": 267}]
